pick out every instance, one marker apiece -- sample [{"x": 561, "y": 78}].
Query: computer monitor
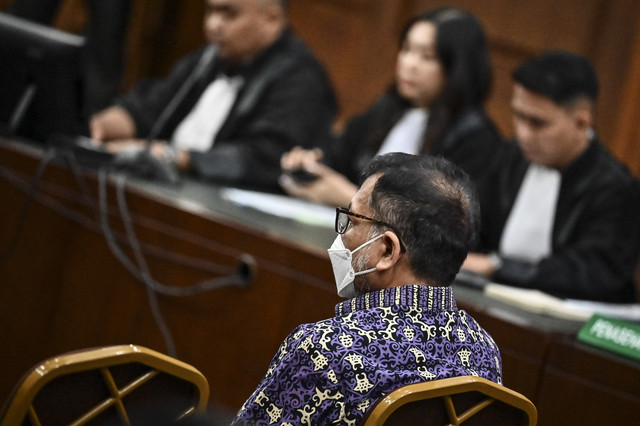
[{"x": 41, "y": 80}]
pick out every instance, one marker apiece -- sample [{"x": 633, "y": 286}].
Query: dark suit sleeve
[
  {"x": 297, "y": 108},
  {"x": 349, "y": 152},
  {"x": 598, "y": 260},
  {"x": 147, "y": 99}
]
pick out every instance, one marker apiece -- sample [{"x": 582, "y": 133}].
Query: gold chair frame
[
  {"x": 20, "y": 406},
  {"x": 523, "y": 410}
]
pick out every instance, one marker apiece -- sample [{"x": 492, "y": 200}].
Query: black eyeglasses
[{"x": 343, "y": 220}]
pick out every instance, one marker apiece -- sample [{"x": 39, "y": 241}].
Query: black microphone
[{"x": 143, "y": 162}]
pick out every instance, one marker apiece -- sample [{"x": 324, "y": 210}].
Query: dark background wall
[{"x": 357, "y": 39}]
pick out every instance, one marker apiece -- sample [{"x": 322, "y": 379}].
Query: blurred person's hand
[
  {"x": 112, "y": 123},
  {"x": 328, "y": 187}
]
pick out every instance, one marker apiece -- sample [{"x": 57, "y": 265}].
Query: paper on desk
[
  {"x": 630, "y": 311},
  {"x": 543, "y": 303},
  {"x": 282, "y": 206}
]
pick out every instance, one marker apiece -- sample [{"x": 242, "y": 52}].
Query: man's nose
[
  {"x": 409, "y": 60},
  {"x": 523, "y": 132},
  {"x": 213, "y": 24}
]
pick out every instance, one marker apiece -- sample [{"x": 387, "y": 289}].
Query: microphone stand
[{"x": 143, "y": 162}]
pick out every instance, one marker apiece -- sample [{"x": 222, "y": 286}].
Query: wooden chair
[
  {"x": 469, "y": 399},
  {"x": 114, "y": 385}
]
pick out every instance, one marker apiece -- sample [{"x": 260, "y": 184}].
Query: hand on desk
[
  {"x": 112, "y": 123},
  {"x": 115, "y": 128},
  {"x": 480, "y": 264},
  {"x": 159, "y": 149},
  {"x": 329, "y": 187}
]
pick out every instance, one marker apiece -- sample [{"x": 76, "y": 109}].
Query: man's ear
[
  {"x": 583, "y": 116},
  {"x": 275, "y": 14},
  {"x": 391, "y": 251}
]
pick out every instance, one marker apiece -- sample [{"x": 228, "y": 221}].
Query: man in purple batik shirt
[{"x": 400, "y": 244}]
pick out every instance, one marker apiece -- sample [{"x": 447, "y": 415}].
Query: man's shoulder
[
  {"x": 474, "y": 120},
  {"x": 511, "y": 162},
  {"x": 604, "y": 170},
  {"x": 296, "y": 46},
  {"x": 599, "y": 180},
  {"x": 291, "y": 50},
  {"x": 611, "y": 165},
  {"x": 288, "y": 60},
  {"x": 312, "y": 330}
]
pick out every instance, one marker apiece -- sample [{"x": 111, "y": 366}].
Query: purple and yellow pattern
[{"x": 333, "y": 371}]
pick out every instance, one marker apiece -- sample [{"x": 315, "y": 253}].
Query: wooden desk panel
[
  {"x": 583, "y": 385},
  {"x": 61, "y": 288},
  {"x": 523, "y": 351}
]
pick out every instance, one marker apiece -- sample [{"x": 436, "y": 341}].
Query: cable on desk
[
  {"x": 245, "y": 261},
  {"x": 141, "y": 274},
  {"x": 141, "y": 271},
  {"x": 70, "y": 158},
  {"x": 238, "y": 278},
  {"x": 26, "y": 205},
  {"x": 49, "y": 196},
  {"x": 243, "y": 273}
]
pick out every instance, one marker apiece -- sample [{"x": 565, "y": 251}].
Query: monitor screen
[{"x": 41, "y": 80}]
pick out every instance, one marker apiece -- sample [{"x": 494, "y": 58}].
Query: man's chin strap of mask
[{"x": 341, "y": 261}]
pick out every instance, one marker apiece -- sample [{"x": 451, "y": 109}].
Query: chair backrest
[
  {"x": 469, "y": 399},
  {"x": 113, "y": 385}
]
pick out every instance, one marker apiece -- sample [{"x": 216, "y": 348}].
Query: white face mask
[{"x": 343, "y": 272}]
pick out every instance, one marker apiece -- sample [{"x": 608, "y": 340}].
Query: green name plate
[{"x": 613, "y": 335}]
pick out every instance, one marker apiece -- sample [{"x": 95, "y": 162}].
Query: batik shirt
[{"x": 334, "y": 371}]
